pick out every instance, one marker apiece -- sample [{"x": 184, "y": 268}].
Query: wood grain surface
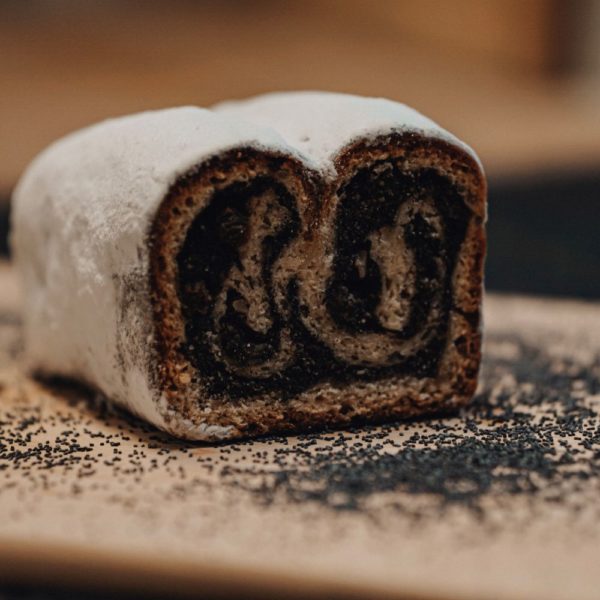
[{"x": 500, "y": 501}]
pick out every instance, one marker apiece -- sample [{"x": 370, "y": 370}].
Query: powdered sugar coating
[
  {"x": 81, "y": 216},
  {"x": 320, "y": 124}
]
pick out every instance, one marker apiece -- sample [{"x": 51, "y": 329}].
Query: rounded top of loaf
[{"x": 321, "y": 124}]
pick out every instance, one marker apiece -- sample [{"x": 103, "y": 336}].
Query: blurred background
[{"x": 519, "y": 80}]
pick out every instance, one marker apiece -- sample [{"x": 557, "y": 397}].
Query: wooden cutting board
[{"x": 501, "y": 501}]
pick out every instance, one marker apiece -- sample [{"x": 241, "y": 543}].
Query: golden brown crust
[{"x": 324, "y": 405}]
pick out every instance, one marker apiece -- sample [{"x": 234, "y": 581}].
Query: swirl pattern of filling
[
  {"x": 230, "y": 272},
  {"x": 397, "y": 236},
  {"x": 378, "y": 307}
]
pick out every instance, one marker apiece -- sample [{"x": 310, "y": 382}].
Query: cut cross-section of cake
[
  {"x": 389, "y": 297},
  {"x": 291, "y": 262}
]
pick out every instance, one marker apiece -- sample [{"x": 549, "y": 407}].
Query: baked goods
[{"x": 224, "y": 280}]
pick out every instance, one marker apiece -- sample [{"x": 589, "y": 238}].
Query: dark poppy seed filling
[
  {"x": 396, "y": 239},
  {"x": 233, "y": 327}
]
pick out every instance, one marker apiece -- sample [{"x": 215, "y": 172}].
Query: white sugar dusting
[{"x": 320, "y": 124}]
